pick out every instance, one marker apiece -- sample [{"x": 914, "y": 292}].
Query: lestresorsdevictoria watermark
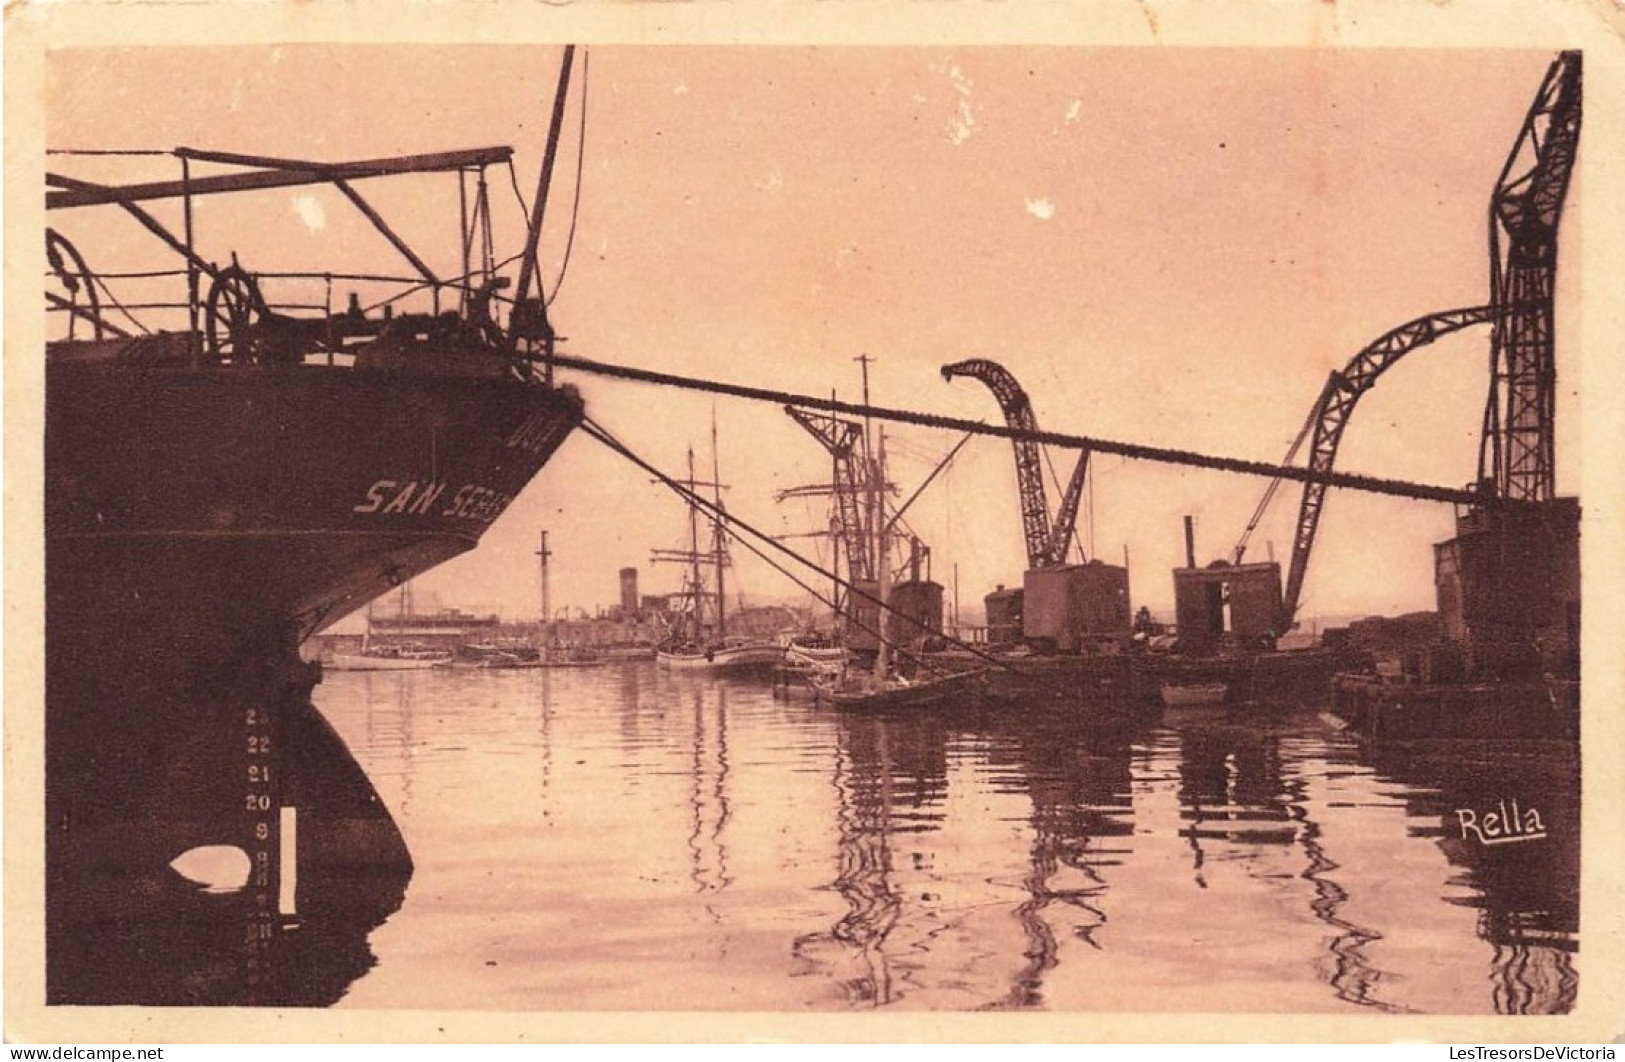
[{"x": 1532, "y": 1054}]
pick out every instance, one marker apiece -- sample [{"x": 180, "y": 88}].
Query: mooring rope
[
  {"x": 728, "y": 522},
  {"x": 1136, "y": 451}
]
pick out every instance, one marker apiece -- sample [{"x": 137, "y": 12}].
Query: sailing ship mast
[
  {"x": 718, "y": 544},
  {"x": 882, "y": 560},
  {"x": 694, "y": 583}
]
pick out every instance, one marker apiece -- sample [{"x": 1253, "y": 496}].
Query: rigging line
[
  {"x": 513, "y": 179},
  {"x": 721, "y": 517},
  {"x": 581, "y": 157},
  {"x": 471, "y": 224},
  {"x": 946, "y": 461},
  {"x": 422, "y": 286},
  {"x": 596, "y": 431},
  {"x": 1275, "y": 484},
  {"x": 1166, "y": 455},
  {"x": 1060, "y": 493},
  {"x": 1054, "y": 480},
  {"x": 108, "y": 291}
]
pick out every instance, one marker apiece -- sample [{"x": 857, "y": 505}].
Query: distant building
[
  {"x": 446, "y": 629},
  {"x": 1004, "y": 619},
  {"x": 629, "y": 592}
]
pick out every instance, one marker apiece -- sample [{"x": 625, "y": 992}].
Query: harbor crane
[
  {"x": 1516, "y": 450},
  {"x": 841, "y": 438},
  {"x": 1047, "y": 542},
  {"x": 1516, "y": 447},
  {"x": 1330, "y": 418}
]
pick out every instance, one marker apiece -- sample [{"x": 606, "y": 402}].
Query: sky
[{"x": 1164, "y": 246}]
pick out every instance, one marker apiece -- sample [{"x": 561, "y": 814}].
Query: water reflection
[
  {"x": 774, "y": 855},
  {"x": 887, "y": 778},
  {"x": 1519, "y": 870},
  {"x": 1238, "y": 786},
  {"x": 709, "y": 797},
  {"x": 1078, "y": 780},
  {"x": 1350, "y": 973}
]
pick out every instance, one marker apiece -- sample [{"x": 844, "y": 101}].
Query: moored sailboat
[{"x": 694, "y": 645}]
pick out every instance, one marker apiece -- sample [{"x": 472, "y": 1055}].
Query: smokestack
[
  {"x": 629, "y": 591},
  {"x": 1190, "y": 542}
]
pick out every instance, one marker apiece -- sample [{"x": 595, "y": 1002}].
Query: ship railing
[
  {"x": 261, "y": 301},
  {"x": 974, "y": 634},
  {"x": 224, "y": 307}
]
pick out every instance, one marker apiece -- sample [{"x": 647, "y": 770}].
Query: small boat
[
  {"x": 1193, "y": 694},
  {"x": 883, "y": 687},
  {"x": 813, "y": 651},
  {"x": 617, "y": 653},
  {"x": 733, "y": 655},
  {"x": 861, "y": 691},
  {"x": 573, "y": 657},
  {"x": 490, "y": 655},
  {"x": 388, "y": 658}
]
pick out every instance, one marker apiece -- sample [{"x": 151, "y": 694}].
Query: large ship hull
[
  {"x": 199, "y": 524},
  {"x": 308, "y": 490}
]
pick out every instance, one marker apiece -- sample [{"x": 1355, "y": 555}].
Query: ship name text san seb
[{"x": 471, "y": 501}]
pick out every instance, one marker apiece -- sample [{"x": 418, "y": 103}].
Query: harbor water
[{"x": 621, "y": 837}]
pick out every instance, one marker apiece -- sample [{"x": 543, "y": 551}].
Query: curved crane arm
[
  {"x": 1331, "y": 416},
  {"x": 1018, "y": 413}
]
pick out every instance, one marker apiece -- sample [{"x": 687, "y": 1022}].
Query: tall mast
[
  {"x": 696, "y": 586},
  {"x": 716, "y": 529},
  {"x": 547, "y": 611},
  {"x": 694, "y": 582},
  {"x": 527, "y": 263},
  {"x": 883, "y": 572},
  {"x": 836, "y": 594},
  {"x": 868, "y": 449}
]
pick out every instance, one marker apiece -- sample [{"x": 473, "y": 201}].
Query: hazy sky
[{"x": 1167, "y": 247}]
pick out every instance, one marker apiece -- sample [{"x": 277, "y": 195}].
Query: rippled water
[{"x": 625, "y": 838}]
